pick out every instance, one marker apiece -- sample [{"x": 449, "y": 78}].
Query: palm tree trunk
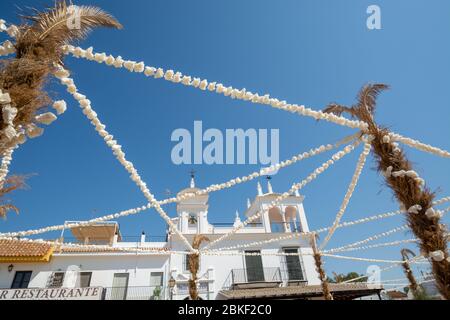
[
  {"x": 408, "y": 190},
  {"x": 319, "y": 268}
]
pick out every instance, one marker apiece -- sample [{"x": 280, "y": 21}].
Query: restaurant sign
[{"x": 90, "y": 293}]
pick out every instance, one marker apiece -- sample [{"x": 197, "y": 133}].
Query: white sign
[{"x": 90, "y": 293}]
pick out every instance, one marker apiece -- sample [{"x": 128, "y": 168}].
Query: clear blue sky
[{"x": 307, "y": 52}]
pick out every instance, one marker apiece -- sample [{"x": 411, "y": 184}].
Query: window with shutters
[{"x": 21, "y": 280}]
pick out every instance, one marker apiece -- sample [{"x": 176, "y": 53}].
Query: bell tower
[
  {"x": 288, "y": 216},
  {"x": 193, "y": 212}
]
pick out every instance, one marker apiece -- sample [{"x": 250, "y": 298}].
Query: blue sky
[{"x": 306, "y": 52}]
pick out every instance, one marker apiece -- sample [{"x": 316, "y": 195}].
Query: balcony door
[
  {"x": 254, "y": 267},
  {"x": 293, "y": 265},
  {"x": 120, "y": 286}
]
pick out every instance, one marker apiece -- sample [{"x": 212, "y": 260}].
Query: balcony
[
  {"x": 264, "y": 278},
  {"x": 134, "y": 293}
]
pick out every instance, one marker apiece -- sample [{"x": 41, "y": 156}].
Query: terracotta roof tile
[
  {"x": 15, "y": 249},
  {"x": 94, "y": 249}
]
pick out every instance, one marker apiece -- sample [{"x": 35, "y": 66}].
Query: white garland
[
  {"x": 372, "y": 238},
  {"x": 211, "y": 188},
  {"x": 395, "y": 265},
  {"x": 387, "y": 244},
  {"x": 360, "y": 259},
  {"x": 4, "y": 167},
  {"x": 419, "y": 145},
  {"x": 295, "y": 187},
  {"x": 242, "y": 94},
  {"x": 343, "y": 225},
  {"x": 85, "y": 105},
  {"x": 349, "y": 193}
]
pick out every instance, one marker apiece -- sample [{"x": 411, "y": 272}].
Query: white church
[{"x": 30, "y": 270}]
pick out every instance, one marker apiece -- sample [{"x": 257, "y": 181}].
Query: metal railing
[
  {"x": 264, "y": 277},
  {"x": 134, "y": 293},
  {"x": 252, "y": 275}
]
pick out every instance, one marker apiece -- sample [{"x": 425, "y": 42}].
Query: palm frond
[
  {"x": 406, "y": 252},
  {"x": 338, "y": 109},
  {"x": 12, "y": 183},
  {"x": 66, "y": 23},
  {"x": 368, "y": 95},
  {"x": 4, "y": 208}
]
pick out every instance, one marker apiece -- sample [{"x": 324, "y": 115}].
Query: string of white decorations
[
  {"x": 209, "y": 189},
  {"x": 414, "y": 260},
  {"x": 343, "y": 225},
  {"x": 205, "y": 85},
  {"x": 378, "y": 245},
  {"x": 360, "y": 259},
  {"x": 4, "y": 167},
  {"x": 351, "y": 188},
  {"x": 372, "y": 238},
  {"x": 85, "y": 105},
  {"x": 419, "y": 145},
  {"x": 295, "y": 187},
  {"x": 243, "y": 94},
  {"x": 260, "y": 243},
  {"x": 243, "y": 253}
]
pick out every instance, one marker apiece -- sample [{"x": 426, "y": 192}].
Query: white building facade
[{"x": 108, "y": 272}]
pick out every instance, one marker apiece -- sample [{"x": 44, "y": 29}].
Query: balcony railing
[
  {"x": 265, "y": 277},
  {"x": 134, "y": 293}
]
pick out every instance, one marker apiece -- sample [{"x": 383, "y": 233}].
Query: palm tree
[
  {"x": 320, "y": 270},
  {"x": 407, "y": 190},
  {"x": 194, "y": 264}
]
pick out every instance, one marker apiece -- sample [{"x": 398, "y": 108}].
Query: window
[
  {"x": 84, "y": 279},
  {"x": 156, "y": 279},
  {"x": 120, "y": 286},
  {"x": 293, "y": 265},
  {"x": 56, "y": 280},
  {"x": 254, "y": 267},
  {"x": 21, "y": 280}
]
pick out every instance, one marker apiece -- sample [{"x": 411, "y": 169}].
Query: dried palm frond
[
  {"x": 338, "y": 109},
  {"x": 368, "y": 95},
  {"x": 407, "y": 190},
  {"x": 38, "y": 49},
  {"x": 10, "y": 184},
  {"x": 61, "y": 25}
]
